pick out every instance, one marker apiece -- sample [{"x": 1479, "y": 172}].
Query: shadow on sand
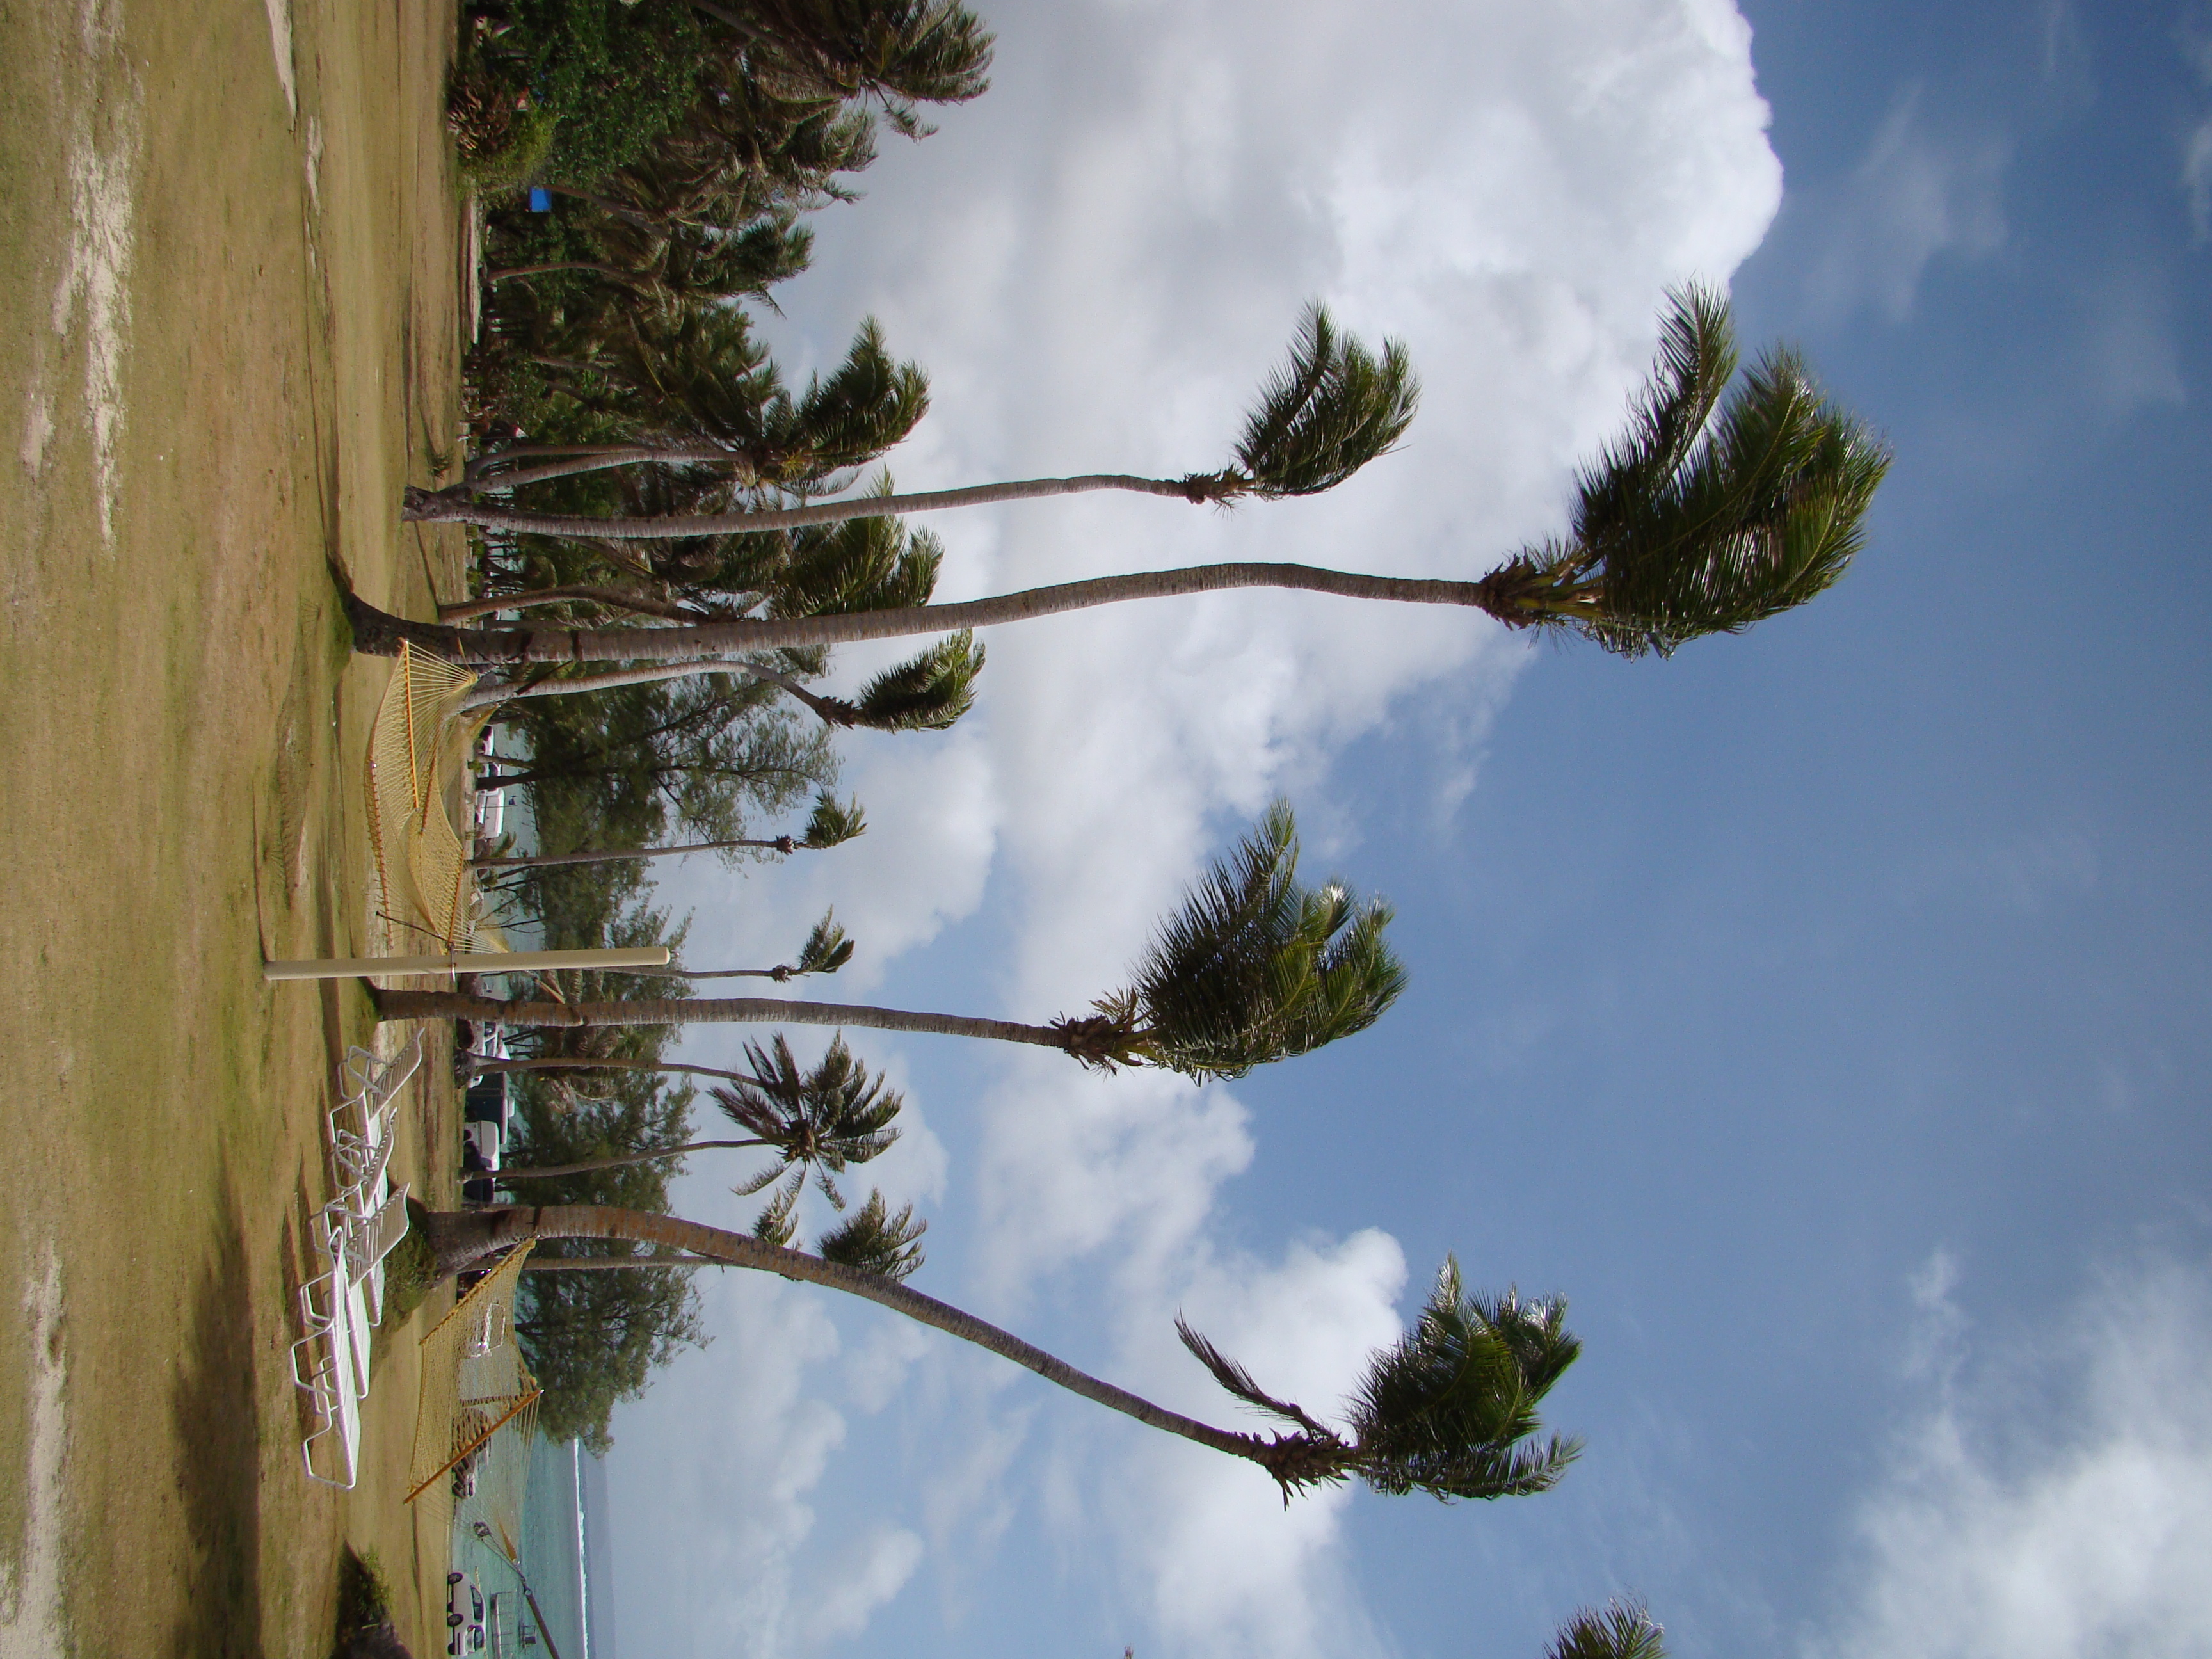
[{"x": 216, "y": 1410}]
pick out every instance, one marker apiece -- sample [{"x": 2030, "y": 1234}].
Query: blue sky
[{"x": 1822, "y": 1010}]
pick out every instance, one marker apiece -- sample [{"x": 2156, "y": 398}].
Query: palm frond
[
  {"x": 869, "y": 405},
  {"x": 1716, "y": 510},
  {"x": 1447, "y": 1409},
  {"x": 857, "y": 564},
  {"x": 832, "y": 822},
  {"x": 697, "y": 372},
  {"x": 926, "y": 693},
  {"x": 776, "y": 1225},
  {"x": 1619, "y": 1630},
  {"x": 827, "y": 948},
  {"x": 1331, "y": 408},
  {"x": 876, "y": 1241},
  {"x": 1255, "y": 968},
  {"x": 1238, "y": 1381}
]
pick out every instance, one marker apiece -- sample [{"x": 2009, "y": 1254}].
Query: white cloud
[
  {"x": 2197, "y": 178},
  {"x": 2006, "y": 1526},
  {"x": 1228, "y": 1568},
  {"x": 1916, "y": 194},
  {"x": 2133, "y": 360},
  {"x": 711, "y": 1477}
]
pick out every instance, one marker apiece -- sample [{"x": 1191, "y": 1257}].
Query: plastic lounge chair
[
  {"x": 328, "y": 1381},
  {"x": 356, "y": 1246},
  {"x": 370, "y": 1081},
  {"x": 361, "y": 1243}
]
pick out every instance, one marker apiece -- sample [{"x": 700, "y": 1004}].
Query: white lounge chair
[
  {"x": 356, "y": 1246},
  {"x": 332, "y": 1452}
]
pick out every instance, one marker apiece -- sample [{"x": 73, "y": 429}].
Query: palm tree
[
  {"x": 827, "y": 948},
  {"x": 818, "y": 1122},
  {"x": 1332, "y": 409},
  {"x": 1710, "y": 513},
  {"x": 698, "y": 390},
  {"x": 1254, "y": 968},
  {"x": 832, "y": 823},
  {"x": 1449, "y": 1409}
]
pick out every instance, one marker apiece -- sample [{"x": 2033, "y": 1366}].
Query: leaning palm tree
[
  {"x": 1253, "y": 968},
  {"x": 1449, "y": 1409},
  {"x": 827, "y": 948},
  {"x": 817, "y": 1122},
  {"x": 1333, "y": 409},
  {"x": 695, "y": 388},
  {"x": 1720, "y": 505},
  {"x": 832, "y": 823}
]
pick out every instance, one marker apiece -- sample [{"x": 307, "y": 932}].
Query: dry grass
[{"x": 233, "y": 319}]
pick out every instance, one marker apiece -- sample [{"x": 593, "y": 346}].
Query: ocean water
[{"x": 552, "y": 1558}]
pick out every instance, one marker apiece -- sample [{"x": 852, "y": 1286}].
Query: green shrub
[
  {"x": 522, "y": 157},
  {"x": 614, "y": 77}
]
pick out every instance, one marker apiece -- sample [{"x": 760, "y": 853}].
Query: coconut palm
[
  {"x": 832, "y": 823},
  {"x": 1253, "y": 968},
  {"x": 817, "y": 1122},
  {"x": 1720, "y": 505},
  {"x": 698, "y": 390},
  {"x": 1333, "y": 408},
  {"x": 827, "y": 949},
  {"x": 1449, "y": 1409}
]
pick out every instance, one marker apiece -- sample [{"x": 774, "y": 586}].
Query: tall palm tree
[
  {"x": 828, "y": 948},
  {"x": 1449, "y": 1409},
  {"x": 1333, "y": 408},
  {"x": 817, "y": 1121},
  {"x": 872, "y": 1238},
  {"x": 698, "y": 389},
  {"x": 1720, "y": 505},
  {"x": 1253, "y": 968},
  {"x": 832, "y": 823}
]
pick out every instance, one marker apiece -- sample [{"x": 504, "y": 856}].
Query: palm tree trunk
[
  {"x": 702, "y": 1011},
  {"x": 614, "y": 271},
  {"x": 547, "y": 1171},
  {"x": 453, "y": 506},
  {"x": 496, "y": 693},
  {"x": 486, "y": 1067},
  {"x": 582, "y": 1264},
  {"x": 645, "y": 604},
  {"x": 460, "y": 1238},
  {"x": 378, "y": 632},
  {"x": 694, "y": 455},
  {"x": 547, "y": 861}
]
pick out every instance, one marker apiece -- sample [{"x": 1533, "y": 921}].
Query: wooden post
[{"x": 470, "y": 962}]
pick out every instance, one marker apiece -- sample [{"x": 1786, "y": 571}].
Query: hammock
[
  {"x": 477, "y": 1410},
  {"x": 418, "y": 751}
]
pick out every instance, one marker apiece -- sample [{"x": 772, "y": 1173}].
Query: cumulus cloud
[
  {"x": 1206, "y": 1539},
  {"x": 1917, "y": 193},
  {"x": 712, "y": 1483},
  {"x": 1098, "y": 263},
  {"x": 2052, "y": 1501}
]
